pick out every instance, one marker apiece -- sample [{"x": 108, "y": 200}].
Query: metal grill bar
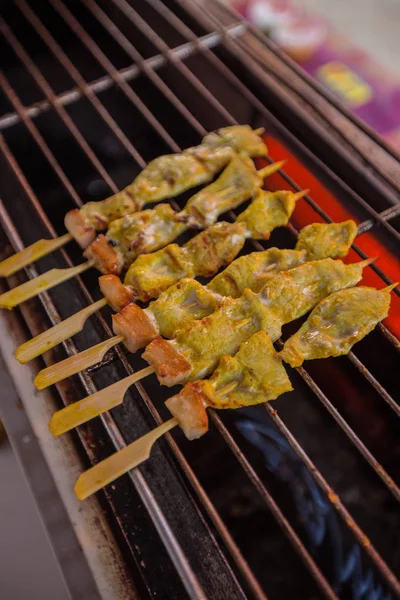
[
  {"x": 77, "y": 77},
  {"x": 52, "y": 98},
  {"x": 209, "y": 40},
  {"x": 118, "y": 440}
]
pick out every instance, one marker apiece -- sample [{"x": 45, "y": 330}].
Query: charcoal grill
[{"x": 297, "y": 499}]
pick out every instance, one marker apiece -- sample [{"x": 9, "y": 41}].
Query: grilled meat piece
[
  {"x": 326, "y": 239},
  {"x": 337, "y": 323}
]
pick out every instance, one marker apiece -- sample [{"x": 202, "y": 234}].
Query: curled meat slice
[{"x": 337, "y": 323}]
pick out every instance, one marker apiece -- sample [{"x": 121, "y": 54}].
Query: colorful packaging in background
[{"x": 372, "y": 93}]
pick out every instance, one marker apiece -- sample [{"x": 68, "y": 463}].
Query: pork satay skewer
[
  {"x": 136, "y": 328},
  {"x": 164, "y": 177},
  {"x": 176, "y": 308},
  {"x": 286, "y": 297},
  {"x": 203, "y": 255},
  {"x": 152, "y": 229},
  {"x": 253, "y": 376}
]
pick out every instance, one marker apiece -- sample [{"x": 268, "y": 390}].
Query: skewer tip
[
  {"x": 259, "y": 130},
  {"x": 368, "y": 261},
  {"x": 298, "y": 195},
  {"x": 271, "y": 168},
  {"x": 390, "y": 288}
]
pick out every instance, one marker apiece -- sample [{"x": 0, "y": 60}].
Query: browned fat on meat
[
  {"x": 116, "y": 294},
  {"x": 80, "y": 230},
  {"x": 190, "y": 409},
  {"x": 105, "y": 258},
  {"x": 169, "y": 364},
  {"x": 135, "y": 326}
]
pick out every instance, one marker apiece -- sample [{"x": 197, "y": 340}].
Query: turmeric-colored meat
[
  {"x": 267, "y": 211},
  {"x": 254, "y": 270},
  {"x": 293, "y": 293},
  {"x": 181, "y": 304},
  {"x": 284, "y": 298},
  {"x": 337, "y": 323},
  {"x": 168, "y": 176},
  {"x": 254, "y": 375},
  {"x": 145, "y": 231},
  {"x": 203, "y": 255},
  {"x": 235, "y": 185},
  {"x": 320, "y": 240}
]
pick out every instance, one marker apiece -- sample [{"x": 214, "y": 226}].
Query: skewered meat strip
[
  {"x": 195, "y": 352},
  {"x": 166, "y": 177},
  {"x": 244, "y": 380},
  {"x": 188, "y": 301},
  {"x": 254, "y": 270},
  {"x": 149, "y": 230},
  {"x": 337, "y": 323},
  {"x": 231, "y": 283},
  {"x": 327, "y": 239},
  {"x": 253, "y": 376},
  {"x": 207, "y": 252}
]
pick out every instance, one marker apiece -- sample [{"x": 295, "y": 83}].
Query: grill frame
[{"x": 227, "y": 36}]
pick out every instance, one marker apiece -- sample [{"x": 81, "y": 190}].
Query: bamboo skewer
[
  {"x": 54, "y": 277},
  {"x": 95, "y": 405},
  {"x": 94, "y": 479},
  {"x": 66, "y": 368},
  {"x": 31, "y": 254},
  {"x": 79, "y": 412},
  {"x": 121, "y": 462},
  {"x": 57, "y": 334},
  {"x": 33, "y": 287}
]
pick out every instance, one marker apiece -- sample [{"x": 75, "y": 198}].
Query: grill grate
[{"x": 198, "y": 74}]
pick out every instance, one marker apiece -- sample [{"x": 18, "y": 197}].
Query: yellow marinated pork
[
  {"x": 254, "y": 375},
  {"x": 254, "y": 270},
  {"x": 202, "y": 256},
  {"x": 268, "y": 211},
  {"x": 327, "y": 239},
  {"x": 166, "y": 177},
  {"x": 234, "y": 186},
  {"x": 206, "y": 253},
  {"x": 337, "y": 323},
  {"x": 188, "y": 301},
  {"x": 150, "y": 230},
  {"x": 286, "y": 297}
]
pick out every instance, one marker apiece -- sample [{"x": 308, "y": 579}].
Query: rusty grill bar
[{"x": 196, "y": 541}]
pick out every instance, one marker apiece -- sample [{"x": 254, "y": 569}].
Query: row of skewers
[{"x": 215, "y": 340}]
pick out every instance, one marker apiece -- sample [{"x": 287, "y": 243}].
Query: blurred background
[{"x": 351, "y": 46}]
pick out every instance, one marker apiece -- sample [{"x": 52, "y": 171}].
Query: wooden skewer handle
[
  {"x": 40, "y": 284},
  {"x": 121, "y": 462},
  {"x": 57, "y": 334},
  {"x": 31, "y": 254},
  {"x": 75, "y": 364},
  {"x": 86, "y": 409}
]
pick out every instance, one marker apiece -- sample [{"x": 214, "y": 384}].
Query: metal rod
[
  {"x": 52, "y": 98},
  {"x": 210, "y": 40}
]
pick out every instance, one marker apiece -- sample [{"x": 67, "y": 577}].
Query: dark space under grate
[{"x": 295, "y": 499}]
